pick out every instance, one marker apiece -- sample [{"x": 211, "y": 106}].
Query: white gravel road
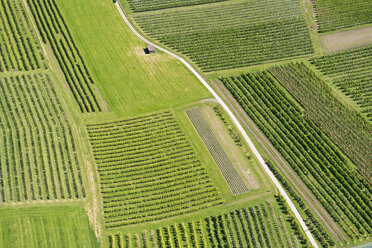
[{"x": 235, "y": 120}]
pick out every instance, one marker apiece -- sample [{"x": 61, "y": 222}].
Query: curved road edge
[{"x": 235, "y": 120}]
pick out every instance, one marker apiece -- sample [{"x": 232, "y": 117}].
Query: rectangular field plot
[
  {"x": 46, "y": 227},
  {"x": 345, "y": 127},
  {"x": 214, "y": 147},
  {"x": 342, "y": 191},
  {"x": 351, "y": 72},
  {"x": 148, "y": 170},
  {"x": 19, "y": 47},
  {"x": 38, "y": 158},
  {"x": 257, "y": 226},
  {"x": 333, "y": 15},
  {"x": 145, "y": 5},
  {"x": 232, "y": 34}
]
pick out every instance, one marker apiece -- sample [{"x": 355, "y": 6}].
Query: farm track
[
  {"x": 283, "y": 166},
  {"x": 235, "y": 120}
]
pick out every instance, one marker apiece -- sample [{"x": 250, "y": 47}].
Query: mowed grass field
[
  {"x": 129, "y": 81},
  {"x": 46, "y": 227}
]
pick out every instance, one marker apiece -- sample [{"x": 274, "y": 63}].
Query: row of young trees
[
  {"x": 351, "y": 132},
  {"x": 351, "y": 72},
  {"x": 54, "y": 31},
  {"x": 148, "y": 170},
  {"x": 146, "y": 5},
  {"x": 214, "y": 147},
  {"x": 312, "y": 155},
  {"x": 39, "y": 159},
  {"x": 19, "y": 47},
  {"x": 334, "y": 15},
  {"x": 257, "y": 226}
]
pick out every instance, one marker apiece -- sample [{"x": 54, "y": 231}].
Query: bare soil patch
[{"x": 345, "y": 40}]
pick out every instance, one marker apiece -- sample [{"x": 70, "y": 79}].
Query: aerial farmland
[{"x": 185, "y": 123}]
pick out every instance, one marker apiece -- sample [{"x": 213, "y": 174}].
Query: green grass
[
  {"x": 129, "y": 81},
  {"x": 333, "y": 15},
  {"x": 46, "y": 227},
  {"x": 57, "y": 36},
  {"x": 231, "y": 34},
  {"x": 350, "y": 72}
]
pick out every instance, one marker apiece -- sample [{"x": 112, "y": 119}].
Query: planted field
[
  {"x": 19, "y": 47},
  {"x": 46, "y": 227},
  {"x": 145, "y": 5},
  {"x": 148, "y": 170},
  {"x": 345, "y": 127},
  {"x": 333, "y": 15},
  {"x": 38, "y": 153},
  {"x": 232, "y": 34},
  {"x": 214, "y": 147},
  {"x": 351, "y": 72},
  {"x": 343, "y": 192},
  {"x": 258, "y": 226},
  {"x": 53, "y": 30}
]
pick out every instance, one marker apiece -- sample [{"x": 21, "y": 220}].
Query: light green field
[
  {"x": 130, "y": 81},
  {"x": 46, "y": 227}
]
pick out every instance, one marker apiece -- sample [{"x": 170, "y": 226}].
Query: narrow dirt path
[{"x": 282, "y": 164}]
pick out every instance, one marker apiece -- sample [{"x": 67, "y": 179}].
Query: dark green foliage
[
  {"x": 333, "y": 15},
  {"x": 345, "y": 127}
]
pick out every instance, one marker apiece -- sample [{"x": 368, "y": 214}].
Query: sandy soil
[{"x": 346, "y": 40}]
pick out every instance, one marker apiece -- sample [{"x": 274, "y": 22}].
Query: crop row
[
  {"x": 312, "y": 155},
  {"x": 146, "y": 5},
  {"x": 257, "y": 226},
  {"x": 214, "y": 147},
  {"x": 39, "y": 160},
  {"x": 19, "y": 48},
  {"x": 351, "y": 72},
  {"x": 316, "y": 228},
  {"x": 53, "y": 29},
  {"x": 148, "y": 170},
  {"x": 333, "y": 15},
  {"x": 232, "y": 34},
  {"x": 346, "y": 128}
]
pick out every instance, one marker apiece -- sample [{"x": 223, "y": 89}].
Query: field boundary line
[
  {"x": 236, "y": 122},
  {"x": 283, "y": 166}
]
